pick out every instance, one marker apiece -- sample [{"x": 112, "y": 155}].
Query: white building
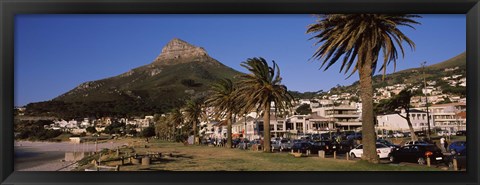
[
  {"x": 344, "y": 117},
  {"x": 418, "y": 119}
]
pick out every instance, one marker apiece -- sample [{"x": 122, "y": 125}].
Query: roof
[
  {"x": 315, "y": 116},
  {"x": 462, "y": 115},
  {"x": 449, "y": 104}
]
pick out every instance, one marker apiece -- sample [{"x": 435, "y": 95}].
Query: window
[{"x": 279, "y": 127}]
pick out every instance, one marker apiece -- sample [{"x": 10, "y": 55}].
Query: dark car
[
  {"x": 457, "y": 146},
  {"x": 326, "y": 146},
  {"x": 461, "y": 157},
  {"x": 388, "y": 143},
  {"x": 355, "y": 136},
  {"x": 417, "y": 153},
  {"x": 301, "y": 147},
  {"x": 461, "y": 133},
  {"x": 343, "y": 146},
  {"x": 235, "y": 142},
  {"x": 420, "y": 133}
]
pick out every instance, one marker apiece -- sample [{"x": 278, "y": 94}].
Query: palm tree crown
[
  {"x": 223, "y": 98},
  {"x": 361, "y": 37},
  {"x": 193, "y": 113},
  {"x": 262, "y": 87}
]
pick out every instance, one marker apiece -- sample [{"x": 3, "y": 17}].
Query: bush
[{"x": 148, "y": 132}]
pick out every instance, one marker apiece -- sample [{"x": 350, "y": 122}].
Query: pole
[{"x": 426, "y": 99}]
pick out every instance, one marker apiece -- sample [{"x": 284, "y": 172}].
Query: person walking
[
  {"x": 442, "y": 144},
  {"x": 445, "y": 145}
]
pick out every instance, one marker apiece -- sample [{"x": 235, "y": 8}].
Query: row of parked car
[{"x": 418, "y": 152}]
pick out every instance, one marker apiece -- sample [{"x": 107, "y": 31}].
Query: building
[
  {"x": 344, "y": 117},
  {"x": 450, "y": 116},
  {"x": 395, "y": 122}
]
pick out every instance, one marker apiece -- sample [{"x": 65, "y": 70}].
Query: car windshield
[{"x": 379, "y": 145}]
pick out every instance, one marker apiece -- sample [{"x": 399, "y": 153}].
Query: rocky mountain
[{"x": 179, "y": 71}]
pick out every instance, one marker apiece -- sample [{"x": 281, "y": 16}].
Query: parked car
[
  {"x": 343, "y": 147},
  {"x": 388, "y": 143},
  {"x": 355, "y": 136},
  {"x": 461, "y": 133},
  {"x": 461, "y": 157},
  {"x": 301, "y": 147},
  {"x": 326, "y": 146},
  {"x": 286, "y": 144},
  {"x": 398, "y": 134},
  {"x": 243, "y": 144},
  {"x": 417, "y": 153},
  {"x": 445, "y": 133},
  {"x": 457, "y": 146},
  {"x": 235, "y": 142},
  {"x": 383, "y": 151},
  {"x": 276, "y": 145},
  {"x": 420, "y": 133},
  {"x": 415, "y": 143}
]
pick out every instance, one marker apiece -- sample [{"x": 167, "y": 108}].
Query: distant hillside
[
  {"x": 432, "y": 72},
  {"x": 180, "y": 71}
]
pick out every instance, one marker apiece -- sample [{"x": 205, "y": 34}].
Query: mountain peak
[{"x": 177, "y": 49}]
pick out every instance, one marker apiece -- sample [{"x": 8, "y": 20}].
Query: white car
[
  {"x": 398, "y": 134},
  {"x": 445, "y": 133},
  {"x": 383, "y": 151}
]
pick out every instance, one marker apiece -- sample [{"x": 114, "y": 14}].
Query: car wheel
[
  {"x": 450, "y": 165},
  {"x": 352, "y": 155},
  {"x": 392, "y": 159},
  {"x": 421, "y": 161}
]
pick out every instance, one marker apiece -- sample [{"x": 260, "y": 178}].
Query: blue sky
[{"x": 55, "y": 53}]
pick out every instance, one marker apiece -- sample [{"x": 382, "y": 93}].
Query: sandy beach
[{"x": 53, "y": 156}]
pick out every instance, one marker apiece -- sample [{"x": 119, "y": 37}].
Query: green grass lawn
[{"x": 204, "y": 158}]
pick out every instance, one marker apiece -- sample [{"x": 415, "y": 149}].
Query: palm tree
[
  {"x": 175, "y": 118},
  {"x": 193, "y": 113},
  {"x": 260, "y": 88},
  {"x": 223, "y": 99},
  {"x": 361, "y": 37}
]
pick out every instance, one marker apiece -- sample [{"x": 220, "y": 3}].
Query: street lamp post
[{"x": 426, "y": 99}]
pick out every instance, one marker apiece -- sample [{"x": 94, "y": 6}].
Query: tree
[
  {"x": 175, "y": 118},
  {"x": 260, "y": 89},
  {"x": 193, "y": 114},
  {"x": 91, "y": 130},
  {"x": 224, "y": 100},
  {"x": 148, "y": 132},
  {"x": 361, "y": 37},
  {"x": 400, "y": 101},
  {"x": 303, "y": 109}
]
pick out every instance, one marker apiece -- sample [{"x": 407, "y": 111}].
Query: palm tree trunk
[
  {"x": 229, "y": 131},
  {"x": 368, "y": 125},
  {"x": 266, "y": 129},
  {"x": 195, "y": 132},
  {"x": 407, "y": 117},
  {"x": 412, "y": 132}
]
